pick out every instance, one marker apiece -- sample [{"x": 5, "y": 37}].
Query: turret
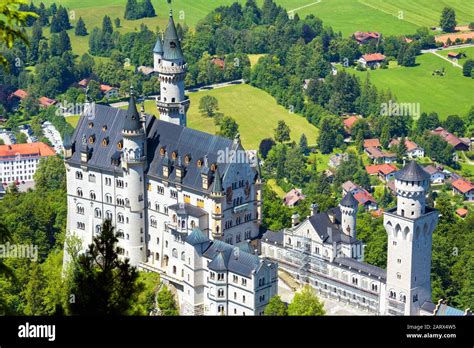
[
  {"x": 171, "y": 67},
  {"x": 217, "y": 195},
  {"x": 349, "y": 206}
]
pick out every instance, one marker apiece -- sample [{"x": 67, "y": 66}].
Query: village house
[
  {"x": 454, "y": 55},
  {"x": 16, "y": 97},
  {"x": 109, "y": 92},
  {"x": 384, "y": 171},
  {"x": 363, "y": 37},
  {"x": 336, "y": 159},
  {"x": 362, "y": 196},
  {"x": 413, "y": 150},
  {"x": 379, "y": 156},
  {"x": 46, "y": 102},
  {"x": 372, "y": 60},
  {"x": 464, "y": 187},
  {"x": 218, "y": 62},
  {"x": 349, "y": 122},
  {"x": 437, "y": 176},
  {"x": 462, "y": 212},
  {"x": 293, "y": 197},
  {"x": 451, "y": 139}
]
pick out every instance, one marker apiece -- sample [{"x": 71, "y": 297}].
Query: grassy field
[
  {"x": 254, "y": 58},
  {"x": 255, "y": 111},
  {"x": 277, "y": 189},
  {"x": 447, "y": 95}
]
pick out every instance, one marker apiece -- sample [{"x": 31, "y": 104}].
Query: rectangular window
[
  {"x": 187, "y": 199},
  {"x": 200, "y": 203}
]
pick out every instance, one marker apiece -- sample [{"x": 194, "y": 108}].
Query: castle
[
  {"x": 323, "y": 251},
  {"x": 181, "y": 204}
]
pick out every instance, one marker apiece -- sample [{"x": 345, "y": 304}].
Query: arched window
[
  {"x": 174, "y": 269},
  {"x": 108, "y": 215},
  {"x": 120, "y": 218},
  {"x": 183, "y": 223},
  {"x": 174, "y": 253},
  {"x": 183, "y": 256},
  {"x": 97, "y": 213},
  {"x": 92, "y": 195},
  {"x": 174, "y": 218},
  {"x": 79, "y": 192},
  {"x": 79, "y": 175},
  {"x": 98, "y": 228},
  {"x": 80, "y": 209},
  {"x": 193, "y": 224}
]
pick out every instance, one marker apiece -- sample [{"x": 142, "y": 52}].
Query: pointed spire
[
  {"x": 158, "y": 45},
  {"x": 349, "y": 200},
  {"x": 132, "y": 119},
  {"x": 217, "y": 185},
  {"x": 171, "y": 43},
  {"x": 412, "y": 172}
]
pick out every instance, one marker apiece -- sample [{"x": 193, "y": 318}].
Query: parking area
[{"x": 53, "y": 136}]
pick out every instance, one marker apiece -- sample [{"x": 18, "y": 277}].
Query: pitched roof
[
  {"x": 217, "y": 185},
  {"x": 171, "y": 43},
  {"x": 462, "y": 185},
  {"x": 293, "y": 196},
  {"x": 106, "y": 88},
  {"x": 20, "y": 94},
  {"x": 412, "y": 172},
  {"x": 328, "y": 230},
  {"x": 350, "y": 121},
  {"x": 384, "y": 169},
  {"x": 462, "y": 212},
  {"x": 372, "y": 143},
  {"x": 373, "y": 57},
  {"x": 410, "y": 145},
  {"x": 363, "y": 35},
  {"x": 363, "y": 197},
  {"x": 431, "y": 169},
  {"x": 187, "y": 209},
  {"x": 196, "y": 237},
  {"x": 448, "y": 137},
  {"x": 273, "y": 237},
  {"x": 158, "y": 46},
  {"x": 361, "y": 266},
  {"x": 45, "y": 101},
  {"x": 30, "y": 149},
  {"x": 375, "y": 152},
  {"x": 349, "y": 186}
]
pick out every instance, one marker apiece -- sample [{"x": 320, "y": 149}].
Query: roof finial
[
  {"x": 131, "y": 90},
  {"x": 171, "y": 10},
  {"x": 87, "y": 94},
  {"x": 205, "y": 161}
]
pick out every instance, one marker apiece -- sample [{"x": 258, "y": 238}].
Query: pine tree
[
  {"x": 148, "y": 9},
  {"x": 468, "y": 67},
  {"x": 303, "y": 143},
  {"x": 117, "y": 22},
  {"x": 64, "y": 42},
  {"x": 131, "y": 10},
  {"x": 102, "y": 283},
  {"x": 107, "y": 25},
  {"x": 409, "y": 59},
  {"x": 385, "y": 136},
  {"x": 282, "y": 132},
  {"x": 81, "y": 29},
  {"x": 359, "y": 142}
]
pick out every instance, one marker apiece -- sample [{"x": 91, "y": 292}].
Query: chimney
[
  {"x": 295, "y": 219},
  {"x": 314, "y": 209}
]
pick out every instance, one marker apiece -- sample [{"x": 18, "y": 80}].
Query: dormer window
[
  {"x": 174, "y": 155},
  {"x": 91, "y": 124},
  {"x": 104, "y": 128},
  {"x": 173, "y": 44},
  {"x": 105, "y": 142},
  {"x": 120, "y": 145},
  {"x": 92, "y": 139},
  {"x": 199, "y": 163},
  {"x": 162, "y": 151},
  {"x": 213, "y": 167},
  {"x": 187, "y": 159}
]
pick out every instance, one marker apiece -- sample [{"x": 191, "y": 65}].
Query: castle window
[
  {"x": 81, "y": 225},
  {"x": 105, "y": 142},
  {"x": 399, "y": 276},
  {"x": 200, "y": 203},
  {"x": 415, "y": 298},
  {"x": 174, "y": 155},
  {"x": 97, "y": 213},
  {"x": 220, "y": 293},
  {"x": 91, "y": 178},
  {"x": 355, "y": 281},
  {"x": 120, "y": 145},
  {"x": 183, "y": 256},
  {"x": 104, "y": 128},
  {"x": 108, "y": 215},
  {"x": 403, "y": 298},
  {"x": 220, "y": 276},
  {"x": 92, "y": 139},
  {"x": 374, "y": 287},
  {"x": 173, "y": 194},
  {"x": 79, "y": 192},
  {"x": 174, "y": 269},
  {"x": 79, "y": 175},
  {"x": 199, "y": 163},
  {"x": 244, "y": 283},
  {"x": 187, "y": 159},
  {"x": 80, "y": 209},
  {"x": 108, "y": 198},
  {"x": 174, "y": 253},
  {"x": 91, "y": 125},
  {"x": 149, "y": 187},
  {"x": 160, "y": 190},
  {"x": 162, "y": 151},
  {"x": 399, "y": 260},
  {"x": 92, "y": 195},
  {"x": 120, "y": 218}
]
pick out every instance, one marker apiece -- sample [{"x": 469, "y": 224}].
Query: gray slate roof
[
  {"x": 132, "y": 118},
  {"x": 412, "y": 172},
  {"x": 349, "y": 200},
  {"x": 196, "y": 237},
  {"x": 158, "y": 46},
  {"x": 327, "y": 230},
  {"x": 171, "y": 44},
  {"x": 185, "y": 141},
  {"x": 361, "y": 266},
  {"x": 187, "y": 209},
  {"x": 273, "y": 237},
  {"x": 225, "y": 257}
]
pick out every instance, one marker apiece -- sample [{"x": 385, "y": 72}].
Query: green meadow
[{"x": 449, "y": 94}]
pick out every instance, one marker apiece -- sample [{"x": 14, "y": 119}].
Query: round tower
[
  {"x": 171, "y": 67},
  {"x": 133, "y": 164},
  {"x": 348, "y": 207},
  {"x": 157, "y": 53},
  {"x": 411, "y": 183},
  {"x": 217, "y": 196}
]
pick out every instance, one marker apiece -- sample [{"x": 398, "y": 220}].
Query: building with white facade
[
  {"x": 18, "y": 162},
  {"x": 183, "y": 202},
  {"x": 323, "y": 251}
]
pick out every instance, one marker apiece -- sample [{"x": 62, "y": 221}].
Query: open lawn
[
  {"x": 277, "y": 189},
  {"x": 255, "y": 111},
  {"x": 447, "y": 95}
]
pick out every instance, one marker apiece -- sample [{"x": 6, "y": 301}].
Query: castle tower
[
  {"x": 133, "y": 164},
  {"x": 217, "y": 196},
  {"x": 259, "y": 192},
  {"x": 409, "y": 227},
  {"x": 349, "y": 206},
  {"x": 171, "y": 67}
]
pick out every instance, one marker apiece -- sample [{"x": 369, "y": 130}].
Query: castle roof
[
  {"x": 132, "y": 118},
  {"x": 217, "y": 186},
  {"x": 171, "y": 43},
  {"x": 349, "y": 200},
  {"x": 361, "y": 266},
  {"x": 328, "y": 226},
  {"x": 412, "y": 172},
  {"x": 158, "y": 46},
  {"x": 196, "y": 237}
]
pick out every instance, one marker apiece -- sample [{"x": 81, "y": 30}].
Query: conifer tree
[{"x": 81, "y": 29}]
